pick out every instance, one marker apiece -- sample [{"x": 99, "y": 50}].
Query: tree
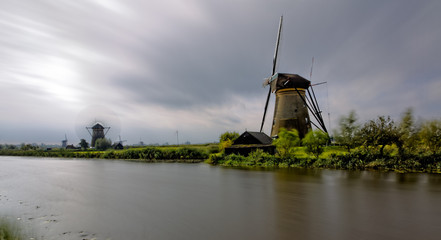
[
  {"x": 314, "y": 142},
  {"x": 286, "y": 142},
  {"x": 226, "y": 139},
  {"x": 27, "y": 147},
  {"x": 228, "y": 136},
  {"x": 430, "y": 135},
  {"x": 346, "y": 136},
  {"x": 408, "y": 136},
  {"x": 103, "y": 144},
  {"x": 379, "y": 133},
  {"x": 83, "y": 144}
]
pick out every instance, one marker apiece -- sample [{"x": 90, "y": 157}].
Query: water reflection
[
  {"x": 314, "y": 204},
  {"x": 76, "y": 199}
]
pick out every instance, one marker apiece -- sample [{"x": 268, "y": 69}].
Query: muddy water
[{"x": 104, "y": 199}]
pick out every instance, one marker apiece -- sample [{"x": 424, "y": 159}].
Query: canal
[{"x": 104, "y": 199}]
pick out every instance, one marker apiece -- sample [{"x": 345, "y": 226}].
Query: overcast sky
[{"x": 151, "y": 68}]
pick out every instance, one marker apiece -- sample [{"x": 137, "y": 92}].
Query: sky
[{"x": 169, "y": 71}]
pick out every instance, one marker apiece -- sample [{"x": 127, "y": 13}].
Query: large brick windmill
[
  {"x": 292, "y": 102},
  {"x": 98, "y": 131}
]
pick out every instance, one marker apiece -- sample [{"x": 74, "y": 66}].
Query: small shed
[
  {"x": 118, "y": 146},
  {"x": 251, "y": 141}
]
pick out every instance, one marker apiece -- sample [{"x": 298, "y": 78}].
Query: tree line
[
  {"x": 407, "y": 135},
  {"x": 381, "y": 143}
]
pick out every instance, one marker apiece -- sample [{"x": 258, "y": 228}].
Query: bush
[
  {"x": 314, "y": 142},
  {"x": 286, "y": 142},
  {"x": 259, "y": 158},
  {"x": 226, "y": 139},
  {"x": 103, "y": 144}
]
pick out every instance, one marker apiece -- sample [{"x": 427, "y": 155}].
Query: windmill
[
  {"x": 98, "y": 131},
  {"x": 64, "y": 142},
  {"x": 120, "y": 141},
  {"x": 119, "y": 144},
  {"x": 292, "y": 102}
]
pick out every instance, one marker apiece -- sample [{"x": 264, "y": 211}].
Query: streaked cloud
[{"x": 197, "y": 66}]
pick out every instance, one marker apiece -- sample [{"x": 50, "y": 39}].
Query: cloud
[{"x": 197, "y": 66}]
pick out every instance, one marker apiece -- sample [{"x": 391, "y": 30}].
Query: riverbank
[
  {"x": 337, "y": 158},
  {"x": 333, "y": 157},
  {"x": 195, "y": 153}
]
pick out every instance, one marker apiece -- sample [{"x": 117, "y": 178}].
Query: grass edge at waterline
[{"x": 10, "y": 230}]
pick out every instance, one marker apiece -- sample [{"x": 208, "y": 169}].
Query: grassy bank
[
  {"x": 193, "y": 153},
  {"x": 337, "y": 158},
  {"x": 333, "y": 157}
]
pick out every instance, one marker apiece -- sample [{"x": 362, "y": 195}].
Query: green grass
[
  {"x": 9, "y": 230},
  {"x": 172, "y": 152}
]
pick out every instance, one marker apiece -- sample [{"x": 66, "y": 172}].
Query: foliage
[
  {"x": 347, "y": 133},
  {"x": 228, "y": 136},
  {"x": 408, "y": 137},
  {"x": 379, "y": 133},
  {"x": 103, "y": 144},
  {"x": 226, "y": 139},
  {"x": 259, "y": 158},
  {"x": 225, "y": 144},
  {"x": 83, "y": 144},
  {"x": 26, "y": 147},
  {"x": 430, "y": 135},
  {"x": 286, "y": 142},
  {"x": 314, "y": 142}
]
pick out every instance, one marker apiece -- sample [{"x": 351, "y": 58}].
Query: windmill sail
[{"x": 276, "y": 52}]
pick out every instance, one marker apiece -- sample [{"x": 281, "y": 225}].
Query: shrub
[
  {"x": 259, "y": 157},
  {"x": 286, "y": 142},
  {"x": 103, "y": 144},
  {"x": 314, "y": 142},
  {"x": 226, "y": 139}
]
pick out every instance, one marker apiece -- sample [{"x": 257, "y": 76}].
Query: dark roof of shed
[{"x": 253, "y": 138}]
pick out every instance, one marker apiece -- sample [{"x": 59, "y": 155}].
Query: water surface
[{"x": 105, "y": 199}]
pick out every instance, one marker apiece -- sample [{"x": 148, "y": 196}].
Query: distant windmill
[
  {"x": 98, "y": 131},
  {"x": 292, "y": 103},
  {"x": 120, "y": 141},
  {"x": 64, "y": 142},
  {"x": 119, "y": 144}
]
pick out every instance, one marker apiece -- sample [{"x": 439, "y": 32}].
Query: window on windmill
[
  {"x": 295, "y": 110},
  {"x": 306, "y": 120}
]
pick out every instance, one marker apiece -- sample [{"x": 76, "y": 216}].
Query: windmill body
[
  {"x": 290, "y": 111},
  {"x": 98, "y": 131},
  {"x": 64, "y": 142}
]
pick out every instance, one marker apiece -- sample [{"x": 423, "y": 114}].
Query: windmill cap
[
  {"x": 97, "y": 126},
  {"x": 289, "y": 80}
]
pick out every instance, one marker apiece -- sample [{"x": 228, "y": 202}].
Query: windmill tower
[
  {"x": 292, "y": 102},
  {"x": 98, "y": 131},
  {"x": 64, "y": 142}
]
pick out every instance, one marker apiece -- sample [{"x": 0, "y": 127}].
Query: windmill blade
[
  {"x": 320, "y": 83},
  {"x": 276, "y": 52},
  {"x": 266, "y": 107}
]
